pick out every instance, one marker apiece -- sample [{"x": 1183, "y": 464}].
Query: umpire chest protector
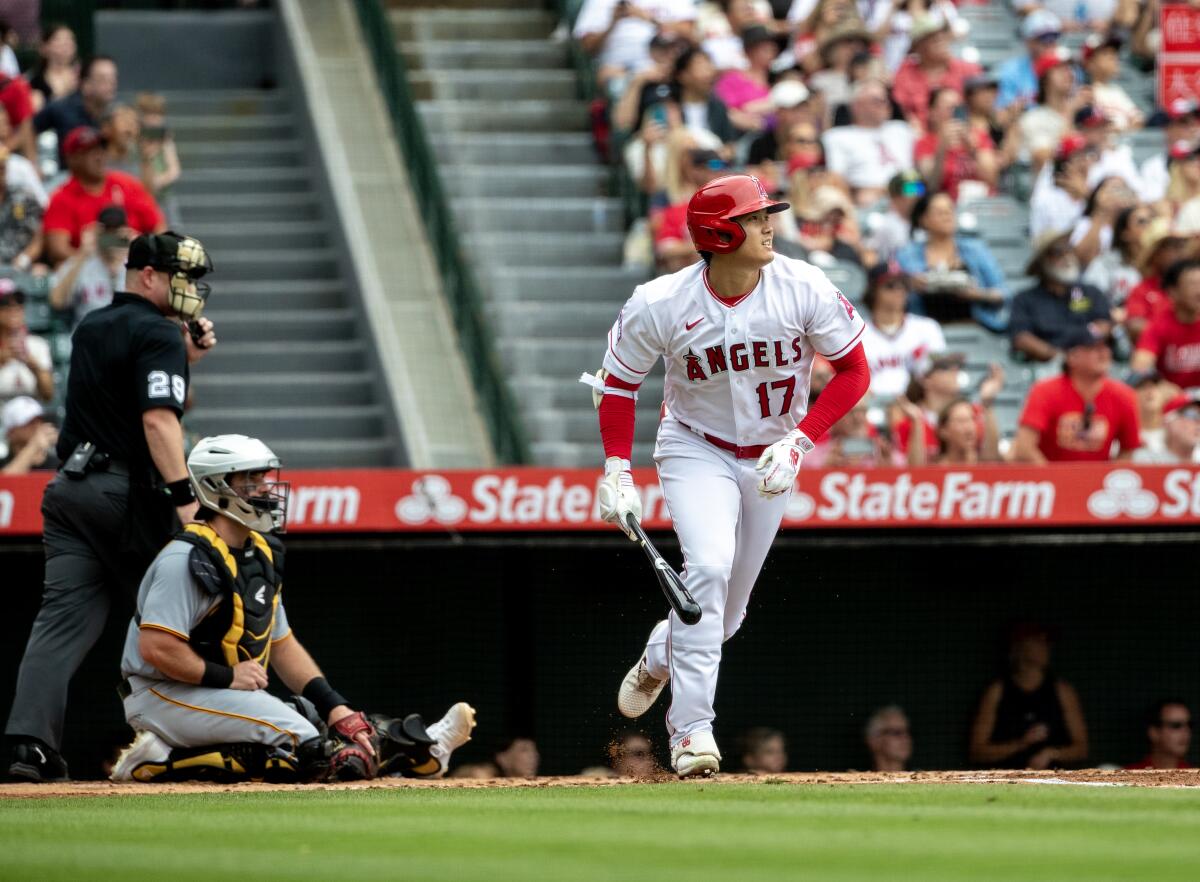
[{"x": 248, "y": 582}]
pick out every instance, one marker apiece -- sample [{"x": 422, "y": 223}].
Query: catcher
[{"x": 209, "y": 618}]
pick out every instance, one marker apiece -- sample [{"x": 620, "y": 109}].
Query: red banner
[
  {"x": 1179, "y": 58},
  {"x": 541, "y": 499}
]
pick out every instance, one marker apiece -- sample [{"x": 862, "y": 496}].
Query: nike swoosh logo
[{"x": 688, "y": 327}]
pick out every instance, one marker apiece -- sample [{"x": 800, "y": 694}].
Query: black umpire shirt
[{"x": 126, "y": 358}]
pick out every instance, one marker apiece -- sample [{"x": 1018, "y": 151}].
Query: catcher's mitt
[{"x": 349, "y": 760}]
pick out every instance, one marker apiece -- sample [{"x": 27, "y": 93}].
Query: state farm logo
[
  {"x": 324, "y": 506},
  {"x": 1123, "y": 494},
  {"x": 7, "y": 503},
  {"x": 800, "y": 507},
  {"x": 432, "y": 499}
]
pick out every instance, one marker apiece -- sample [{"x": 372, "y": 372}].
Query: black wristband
[
  {"x": 181, "y": 492},
  {"x": 323, "y": 696},
  {"x": 217, "y": 676}
]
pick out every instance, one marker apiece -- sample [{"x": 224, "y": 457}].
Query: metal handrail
[{"x": 458, "y": 280}]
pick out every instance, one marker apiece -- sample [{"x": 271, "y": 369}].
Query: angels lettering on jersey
[{"x": 736, "y": 369}]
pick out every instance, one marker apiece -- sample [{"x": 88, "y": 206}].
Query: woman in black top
[{"x": 1030, "y": 718}]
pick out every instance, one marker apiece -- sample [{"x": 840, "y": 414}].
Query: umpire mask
[
  {"x": 185, "y": 262},
  {"x": 238, "y": 477}
]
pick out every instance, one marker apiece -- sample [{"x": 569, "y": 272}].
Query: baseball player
[
  {"x": 209, "y": 619},
  {"x": 737, "y": 334}
]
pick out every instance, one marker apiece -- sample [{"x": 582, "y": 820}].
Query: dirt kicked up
[{"x": 1085, "y": 777}]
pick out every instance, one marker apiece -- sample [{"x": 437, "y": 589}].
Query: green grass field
[{"x": 654, "y": 832}]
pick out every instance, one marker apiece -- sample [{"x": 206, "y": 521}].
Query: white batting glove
[
  {"x": 617, "y": 496},
  {"x": 780, "y": 463}
]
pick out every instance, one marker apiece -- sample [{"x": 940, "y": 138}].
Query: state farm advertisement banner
[{"x": 532, "y": 499}]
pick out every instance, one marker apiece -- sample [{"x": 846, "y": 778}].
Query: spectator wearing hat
[
  {"x": 84, "y": 107},
  {"x": 952, "y": 151},
  {"x": 1112, "y": 159},
  {"x": 20, "y": 175},
  {"x": 897, "y": 345},
  {"x": 827, "y": 224},
  {"x": 618, "y": 34},
  {"x": 889, "y": 231},
  {"x": 1182, "y": 126},
  {"x": 1046, "y": 316},
  {"x": 25, "y": 363},
  {"x": 1018, "y": 80},
  {"x": 1169, "y": 733},
  {"x": 1171, "y": 342},
  {"x": 1029, "y": 718},
  {"x": 719, "y": 27},
  {"x": 830, "y": 64},
  {"x": 931, "y": 67},
  {"x": 91, "y": 187},
  {"x": 924, "y": 412},
  {"x": 28, "y": 439},
  {"x": 1161, "y": 247},
  {"x": 790, "y": 104},
  {"x": 956, "y": 278},
  {"x": 20, "y": 221},
  {"x": 1102, "y": 64},
  {"x": 888, "y": 738},
  {"x": 1115, "y": 270},
  {"x": 868, "y": 153},
  {"x": 1093, "y": 233},
  {"x": 87, "y": 280},
  {"x": 16, "y": 97},
  {"x": 746, "y": 93},
  {"x": 892, "y": 23},
  {"x": 1180, "y": 435},
  {"x": 1042, "y": 128},
  {"x": 1060, "y": 191},
  {"x": 1077, "y": 416}
]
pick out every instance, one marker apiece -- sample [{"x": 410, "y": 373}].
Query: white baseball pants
[{"x": 725, "y": 529}]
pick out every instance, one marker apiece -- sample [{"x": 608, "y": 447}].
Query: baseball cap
[
  {"x": 10, "y": 293},
  {"x": 926, "y": 26},
  {"x": 1040, "y": 23},
  {"x": 789, "y": 93},
  {"x": 1181, "y": 108},
  {"x": 1070, "y": 145},
  {"x": 81, "y": 139},
  {"x": 980, "y": 81},
  {"x": 907, "y": 183},
  {"x": 1041, "y": 245},
  {"x": 707, "y": 158},
  {"x": 1096, "y": 42},
  {"x": 1051, "y": 59},
  {"x": 111, "y": 217},
  {"x": 1181, "y": 149},
  {"x": 1090, "y": 117},
  {"x": 753, "y": 35},
  {"x": 665, "y": 41},
  {"x": 946, "y": 361},
  {"x": 159, "y": 251},
  {"x": 884, "y": 272},
  {"x": 1141, "y": 378},
  {"x": 1180, "y": 403},
  {"x": 19, "y": 411},
  {"x": 1078, "y": 336}
]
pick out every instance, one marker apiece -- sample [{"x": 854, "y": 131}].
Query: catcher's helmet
[
  {"x": 262, "y": 507},
  {"x": 711, "y": 213}
]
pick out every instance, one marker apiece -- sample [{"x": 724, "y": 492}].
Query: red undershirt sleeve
[
  {"x": 617, "y": 419},
  {"x": 848, "y": 385}
]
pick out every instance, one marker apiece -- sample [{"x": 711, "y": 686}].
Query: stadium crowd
[
  {"x": 83, "y": 173},
  {"x": 899, "y": 153}
]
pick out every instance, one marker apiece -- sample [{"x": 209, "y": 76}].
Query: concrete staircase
[
  {"x": 292, "y": 364},
  {"x": 499, "y": 100}
]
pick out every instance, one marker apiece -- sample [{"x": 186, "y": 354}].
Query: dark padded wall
[{"x": 537, "y": 634}]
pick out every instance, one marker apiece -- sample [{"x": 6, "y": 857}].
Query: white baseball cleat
[
  {"x": 146, "y": 748},
  {"x": 451, "y": 732},
  {"x": 638, "y": 690},
  {"x": 696, "y": 755}
]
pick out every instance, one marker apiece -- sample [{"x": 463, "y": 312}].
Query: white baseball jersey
[
  {"x": 894, "y": 358},
  {"x": 737, "y": 370}
]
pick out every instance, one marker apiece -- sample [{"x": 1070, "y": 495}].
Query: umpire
[{"x": 123, "y": 487}]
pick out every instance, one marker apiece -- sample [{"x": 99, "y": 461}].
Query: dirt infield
[{"x": 1087, "y": 777}]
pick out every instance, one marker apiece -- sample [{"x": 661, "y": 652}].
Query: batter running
[{"x": 737, "y": 334}]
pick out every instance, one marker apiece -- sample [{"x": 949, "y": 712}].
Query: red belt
[{"x": 754, "y": 451}]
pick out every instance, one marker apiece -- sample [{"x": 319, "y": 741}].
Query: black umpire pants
[{"x": 87, "y": 559}]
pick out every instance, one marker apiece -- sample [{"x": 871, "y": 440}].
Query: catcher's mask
[
  {"x": 185, "y": 262},
  {"x": 238, "y": 477}
]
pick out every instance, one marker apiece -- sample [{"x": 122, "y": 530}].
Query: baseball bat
[{"x": 678, "y": 596}]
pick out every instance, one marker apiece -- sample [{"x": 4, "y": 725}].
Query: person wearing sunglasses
[
  {"x": 1077, "y": 416},
  {"x": 889, "y": 739},
  {"x": 1181, "y": 433},
  {"x": 1115, "y": 271},
  {"x": 1169, "y": 731}
]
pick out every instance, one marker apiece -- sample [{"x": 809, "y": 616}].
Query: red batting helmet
[{"x": 711, "y": 213}]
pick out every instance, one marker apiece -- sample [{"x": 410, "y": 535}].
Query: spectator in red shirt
[
  {"x": 1161, "y": 247},
  {"x": 91, "y": 188},
  {"x": 931, "y": 407},
  {"x": 952, "y": 151},
  {"x": 1171, "y": 342},
  {"x": 1076, "y": 417},
  {"x": 1169, "y": 731},
  {"x": 17, "y": 98},
  {"x": 930, "y": 66}
]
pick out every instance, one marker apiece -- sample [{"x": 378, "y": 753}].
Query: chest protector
[{"x": 238, "y": 627}]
